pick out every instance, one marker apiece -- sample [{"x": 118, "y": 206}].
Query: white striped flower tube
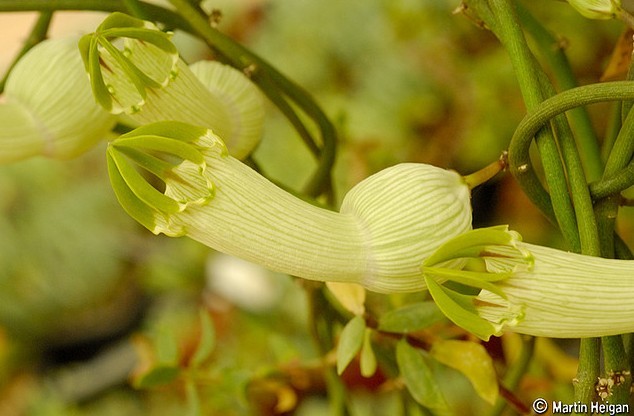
[
  {"x": 387, "y": 225},
  {"x": 530, "y": 289},
  {"x": 48, "y": 108}
]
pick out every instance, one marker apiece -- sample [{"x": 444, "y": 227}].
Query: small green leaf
[
  {"x": 350, "y": 342},
  {"x": 472, "y": 360},
  {"x": 410, "y": 318},
  {"x": 419, "y": 379},
  {"x": 460, "y": 310},
  {"x": 207, "y": 340},
  {"x": 157, "y": 376},
  {"x": 368, "y": 359}
]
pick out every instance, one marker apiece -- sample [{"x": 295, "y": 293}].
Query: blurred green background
[{"x": 87, "y": 295}]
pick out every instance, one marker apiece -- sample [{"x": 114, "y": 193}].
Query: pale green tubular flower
[
  {"x": 530, "y": 289},
  {"x": 387, "y": 225},
  {"x": 135, "y": 69},
  {"x": 597, "y": 9},
  {"x": 48, "y": 108}
]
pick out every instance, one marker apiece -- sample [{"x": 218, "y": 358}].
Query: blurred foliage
[{"x": 404, "y": 80}]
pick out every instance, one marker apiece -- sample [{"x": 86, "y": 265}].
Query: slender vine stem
[
  {"x": 616, "y": 362},
  {"x": 520, "y": 164},
  {"x": 243, "y": 59},
  {"x": 553, "y": 52},
  {"x": 168, "y": 17},
  {"x": 134, "y": 8},
  {"x": 583, "y": 208},
  {"x": 531, "y": 80},
  {"x": 588, "y": 370},
  {"x": 618, "y": 159}
]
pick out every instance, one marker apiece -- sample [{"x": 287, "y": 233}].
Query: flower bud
[
  {"x": 386, "y": 227},
  {"x": 48, "y": 107}
]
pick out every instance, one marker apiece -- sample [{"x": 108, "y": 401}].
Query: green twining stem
[
  {"x": 607, "y": 207},
  {"x": 168, "y": 17},
  {"x": 588, "y": 370},
  {"x": 579, "y": 193},
  {"x": 553, "y": 52},
  {"x": 519, "y": 160},
  {"x": 613, "y": 184},
  {"x": 134, "y": 8},
  {"x": 532, "y": 79}
]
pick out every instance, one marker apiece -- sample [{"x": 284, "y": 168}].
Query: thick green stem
[
  {"x": 619, "y": 157},
  {"x": 519, "y": 161},
  {"x": 531, "y": 80},
  {"x": 583, "y": 208},
  {"x": 552, "y": 51},
  {"x": 617, "y": 368},
  {"x": 588, "y": 370}
]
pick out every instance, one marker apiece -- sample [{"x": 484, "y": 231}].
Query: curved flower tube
[
  {"x": 134, "y": 68},
  {"x": 530, "y": 289},
  {"x": 387, "y": 225},
  {"x": 48, "y": 108}
]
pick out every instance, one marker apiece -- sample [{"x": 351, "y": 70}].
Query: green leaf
[
  {"x": 459, "y": 308},
  {"x": 157, "y": 376},
  {"x": 472, "y": 360},
  {"x": 368, "y": 359},
  {"x": 419, "y": 379},
  {"x": 350, "y": 342},
  {"x": 207, "y": 340},
  {"x": 410, "y": 318}
]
